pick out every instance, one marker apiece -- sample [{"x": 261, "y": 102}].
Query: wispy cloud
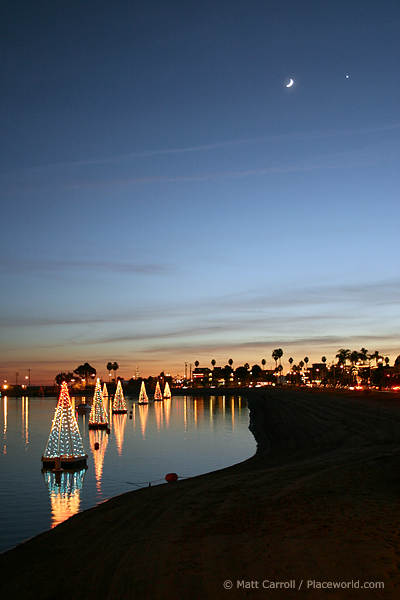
[
  {"x": 12, "y": 265},
  {"x": 312, "y": 345},
  {"x": 69, "y": 175},
  {"x": 371, "y": 155},
  {"x": 233, "y": 312},
  {"x": 226, "y": 144}
]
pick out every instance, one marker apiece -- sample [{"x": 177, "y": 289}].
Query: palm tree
[
  {"x": 387, "y": 360},
  {"x": 109, "y": 369},
  {"x": 277, "y": 355},
  {"x": 363, "y": 354},
  {"x": 196, "y": 363},
  {"x": 306, "y": 359},
  {"x": 323, "y": 359},
  {"x": 354, "y": 356},
  {"x": 115, "y": 367},
  {"x": 375, "y": 356},
  {"x": 213, "y": 362},
  {"x": 342, "y": 356},
  {"x": 290, "y": 361},
  {"x": 296, "y": 371},
  {"x": 230, "y": 362},
  {"x": 263, "y": 362}
]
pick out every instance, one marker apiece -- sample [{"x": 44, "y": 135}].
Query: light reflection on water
[{"x": 186, "y": 435}]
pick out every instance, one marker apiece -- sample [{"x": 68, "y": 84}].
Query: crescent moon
[{"x": 291, "y": 82}]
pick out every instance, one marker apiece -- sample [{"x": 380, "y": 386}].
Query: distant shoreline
[{"x": 50, "y": 391}]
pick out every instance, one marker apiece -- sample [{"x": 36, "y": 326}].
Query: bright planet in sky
[{"x": 291, "y": 82}]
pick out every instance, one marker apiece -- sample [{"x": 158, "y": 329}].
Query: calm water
[{"x": 186, "y": 435}]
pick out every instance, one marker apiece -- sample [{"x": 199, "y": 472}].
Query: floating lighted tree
[
  {"x": 157, "y": 394},
  {"x": 167, "y": 391},
  {"x": 143, "y": 399},
  {"x": 105, "y": 395},
  {"x": 119, "y": 404},
  {"x": 98, "y": 418},
  {"x": 64, "y": 447}
]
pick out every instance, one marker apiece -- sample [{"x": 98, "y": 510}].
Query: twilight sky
[{"x": 166, "y": 198}]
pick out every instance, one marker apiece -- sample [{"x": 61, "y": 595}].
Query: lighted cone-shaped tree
[
  {"x": 98, "y": 415},
  {"x": 64, "y": 447},
  {"x": 167, "y": 391},
  {"x": 104, "y": 395},
  {"x": 119, "y": 404},
  {"x": 157, "y": 393},
  {"x": 143, "y": 399}
]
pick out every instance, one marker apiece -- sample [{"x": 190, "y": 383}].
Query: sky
[{"x": 166, "y": 198}]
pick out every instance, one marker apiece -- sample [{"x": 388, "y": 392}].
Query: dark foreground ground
[{"x": 320, "y": 502}]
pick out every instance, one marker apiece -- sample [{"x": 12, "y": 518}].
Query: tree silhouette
[
  {"x": 375, "y": 356},
  {"x": 354, "y": 357},
  {"x": 115, "y": 368},
  {"x": 67, "y": 377},
  {"x": 342, "y": 355},
  {"x": 109, "y": 368},
  {"x": 226, "y": 371},
  {"x": 277, "y": 355},
  {"x": 85, "y": 371},
  {"x": 242, "y": 373}
]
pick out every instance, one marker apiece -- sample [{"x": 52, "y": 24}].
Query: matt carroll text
[{"x": 265, "y": 584}]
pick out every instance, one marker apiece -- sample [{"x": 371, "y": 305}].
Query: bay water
[{"x": 187, "y": 435}]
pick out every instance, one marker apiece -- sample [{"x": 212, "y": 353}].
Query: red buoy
[{"x": 171, "y": 477}]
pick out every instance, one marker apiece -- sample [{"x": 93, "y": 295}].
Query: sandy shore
[{"x": 319, "y": 502}]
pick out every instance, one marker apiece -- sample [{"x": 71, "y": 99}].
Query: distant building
[
  {"x": 317, "y": 372},
  {"x": 202, "y": 376}
]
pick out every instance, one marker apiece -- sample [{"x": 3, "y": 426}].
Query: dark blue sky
[{"x": 166, "y": 198}]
